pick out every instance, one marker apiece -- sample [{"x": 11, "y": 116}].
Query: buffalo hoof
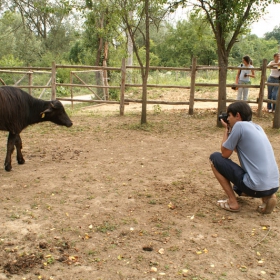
[
  {"x": 8, "y": 167},
  {"x": 21, "y": 161}
]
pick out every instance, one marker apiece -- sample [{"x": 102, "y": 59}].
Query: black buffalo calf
[{"x": 18, "y": 109}]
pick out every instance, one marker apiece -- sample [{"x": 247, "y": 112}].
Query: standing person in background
[
  {"x": 272, "y": 91},
  {"x": 243, "y": 78}
]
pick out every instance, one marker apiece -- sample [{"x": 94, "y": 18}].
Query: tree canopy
[
  {"x": 274, "y": 34},
  {"x": 228, "y": 20},
  {"x": 36, "y": 33}
]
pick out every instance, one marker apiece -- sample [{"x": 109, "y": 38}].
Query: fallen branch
[{"x": 262, "y": 238}]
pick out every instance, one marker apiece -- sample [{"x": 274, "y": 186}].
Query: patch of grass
[
  {"x": 14, "y": 216},
  {"x": 105, "y": 227},
  {"x": 34, "y": 205},
  {"x": 143, "y": 127},
  {"x": 50, "y": 260},
  {"x": 157, "y": 109},
  {"x": 139, "y": 258},
  {"x": 152, "y": 202},
  {"x": 165, "y": 234},
  {"x": 63, "y": 201},
  {"x": 200, "y": 214},
  {"x": 178, "y": 232},
  {"x": 92, "y": 253},
  {"x": 173, "y": 249}
]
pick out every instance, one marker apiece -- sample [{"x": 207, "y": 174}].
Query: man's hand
[
  {"x": 224, "y": 124},
  {"x": 225, "y": 152}
]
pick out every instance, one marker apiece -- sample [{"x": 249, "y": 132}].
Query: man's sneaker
[{"x": 269, "y": 111}]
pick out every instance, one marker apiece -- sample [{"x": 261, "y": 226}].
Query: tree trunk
[
  {"x": 100, "y": 44},
  {"x": 129, "y": 56},
  {"x": 144, "y": 101},
  {"x": 222, "y": 91},
  {"x": 145, "y": 73}
]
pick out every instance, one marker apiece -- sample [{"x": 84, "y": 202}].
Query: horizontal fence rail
[{"x": 125, "y": 82}]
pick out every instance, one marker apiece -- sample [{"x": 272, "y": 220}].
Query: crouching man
[{"x": 258, "y": 174}]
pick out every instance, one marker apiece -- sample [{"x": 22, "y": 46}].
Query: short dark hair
[
  {"x": 276, "y": 54},
  {"x": 242, "y": 108}
]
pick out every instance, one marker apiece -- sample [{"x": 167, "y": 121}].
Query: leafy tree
[
  {"x": 257, "y": 48},
  {"x": 274, "y": 34},
  {"x": 77, "y": 54},
  {"x": 101, "y": 28},
  {"x": 189, "y": 38},
  {"x": 228, "y": 20},
  {"x": 45, "y": 21},
  {"x": 145, "y": 14},
  {"x": 17, "y": 41},
  {"x": 9, "y": 61},
  {"x": 8, "y": 27},
  {"x": 41, "y": 16}
]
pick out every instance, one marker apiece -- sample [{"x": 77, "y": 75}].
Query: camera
[
  {"x": 245, "y": 75},
  {"x": 223, "y": 116},
  {"x": 234, "y": 88}
]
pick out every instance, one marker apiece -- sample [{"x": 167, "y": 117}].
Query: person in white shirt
[
  {"x": 272, "y": 91},
  {"x": 243, "y": 78}
]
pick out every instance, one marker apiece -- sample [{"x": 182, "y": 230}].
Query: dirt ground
[{"x": 108, "y": 199}]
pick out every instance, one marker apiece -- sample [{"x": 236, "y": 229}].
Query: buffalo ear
[{"x": 46, "y": 111}]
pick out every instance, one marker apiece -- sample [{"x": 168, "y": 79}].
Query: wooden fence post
[
  {"x": 2, "y": 82},
  {"x": 53, "y": 97},
  {"x": 105, "y": 80},
  {"x": 262, "y": 86},
  {"x": 123, "y": 73},
  {"x": 276, "y": 119},
  {"x": 30, "y": 82},
  {"x": 71, "y": 89},
  {"x": 192, "y": 86}
]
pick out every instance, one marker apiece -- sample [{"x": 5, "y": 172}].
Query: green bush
[{"x": 114, "y": 94}]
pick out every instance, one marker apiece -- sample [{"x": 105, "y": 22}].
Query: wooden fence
[{"x": 124, "y": 69}]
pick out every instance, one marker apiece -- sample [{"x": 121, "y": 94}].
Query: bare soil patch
[{"x": 109, "y": 199}]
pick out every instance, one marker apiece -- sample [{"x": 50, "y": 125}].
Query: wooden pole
[
  {"x": 43, "y": 91},
  {"x": 123, "y": 73},
  {"x": 71, "y": 89},
  {"x": 30, "y": 82},
  {"x": 192, "y": 86},
  {"x": 105, "y": 81},
  {"x": 262, "y": 86},
  {"x": 53, "y": 97},
  {"x": 2, "y": 81}
]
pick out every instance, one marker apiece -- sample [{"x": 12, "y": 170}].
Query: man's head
[{"x": 242, "y": 108}]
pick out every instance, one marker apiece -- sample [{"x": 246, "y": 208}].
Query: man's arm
[
  {"x": 273, "y": 63},
  {"x": 226, "y": 153}
]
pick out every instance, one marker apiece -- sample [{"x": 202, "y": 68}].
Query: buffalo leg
[
  {"x": 18, "y": 144},
  {"x": 10, "y": 149}
]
